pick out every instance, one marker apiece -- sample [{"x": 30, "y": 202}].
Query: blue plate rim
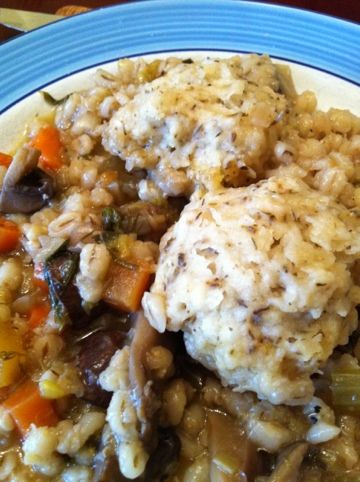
[
  {"x": 41, "y": 87},
  {"x": 275, "y": 5},
  {"x": 328, "y": 26}
]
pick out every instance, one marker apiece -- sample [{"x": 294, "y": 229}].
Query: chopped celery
[{"x": 345, "y": 387}]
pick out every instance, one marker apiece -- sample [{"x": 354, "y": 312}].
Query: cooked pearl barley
[
  {"x": 174, "y": 402},
  {"x": 65, "y": 114},
  {"x": 85, "y": 124},
  {"x": 324, "y": 428},
  {"x": 322, "y": 432},
  {"x": 132, "y": 459},
  {"x": 94, "y": 263},
  {"x": 6, "y": 421},
  {"x": 77, "y": 474},
  {"x": 122, "y": 417},
  {"x": 83, "y": 144},
  {"x": 194, "y": 419},
  {"x": 101, "y": 197},
  {"x": 159, "y": 360},
  {"x": 107, "y": 107},
  {"x": 73, "y": 437},
  {"x": 89, "y": 177},
  {"x": 11, "y": 275},
  {"x": 148, "y": 191},
  {"x": 116, "y": 376},
  {"x": 78, "y": 202},
  {"x": 65, "y": 224},
  {"x": 39, "y": 450}
]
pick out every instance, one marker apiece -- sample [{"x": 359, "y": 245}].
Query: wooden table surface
[{"x": 346, "y": 9}]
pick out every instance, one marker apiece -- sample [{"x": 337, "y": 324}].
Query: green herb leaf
[
  {"x": 59, "y": 271},
  {"x": 111, "y": 220},
  {"x": 51, "y": 100}
]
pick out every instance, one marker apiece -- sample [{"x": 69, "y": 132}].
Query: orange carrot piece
[
  {"x": 126, "y": 286},
  {"x": 26, "y": 406},
  {"x": 9, "y": 235},
  {"x": 49, "y": 144},
  {"x": 40, "y": 283},
  {"x": 38, "y": 315},
  {"x": 38, "y": 278},
  {"x": 5, "y": 159}
]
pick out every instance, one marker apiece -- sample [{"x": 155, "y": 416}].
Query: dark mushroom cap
[{"x": 26, "y": 188}]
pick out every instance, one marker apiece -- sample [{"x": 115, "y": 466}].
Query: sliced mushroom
[
  {"x": 146, "y": 392},
  {"x": 106, "y": 463},
  {"x": 145, "y": 337},
  {"x": 289, "y": 463},
  {"x": 163, "y": 461},
  {"x": 26, "y": 188},
  {"x": 233, "y": 456},
  {"x": 95, "y": 354}
]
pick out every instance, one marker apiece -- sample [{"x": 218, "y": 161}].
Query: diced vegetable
[
  {"x": 49, "y": 144},
  {"x": 51, "y": 100},
  {"x": 164, "y": 459},
  {"x": 26, "y": 188},
  {"x": 39, "y": 282},
  {"x": 9, "y": 235},
  {"x": 145, "y": 337},
  {"x": 11, "y": 351},
  {"x": 289, "y": 463},
  {"x": 345, "y": 389},
  {"x": 233, "y": 455},
  {"x": 50, "y": 389},
  {"x": 27, "y": 406},
  {"x": 96, "y": 351},
  {"x": 126, "y": 286},
  {"x": 120, "y": 245},
  {"x": 111, "y": 219},
  {"x": 141, "y": 218},
  {"x": 59, "y": 271},
  {"x": 39, "y": 278},
  {"x": 38, "y": 315},
  {"x": 5, "y": 159}
]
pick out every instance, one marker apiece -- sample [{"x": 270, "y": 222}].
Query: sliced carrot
[
  {"x": 26, "y": 406},
  {"x": 49, "y": 144},
  {"x": 126, "y": 286},
  {"x": 40, "y": 283},
  {"x": 5, "y": 159},
  {"x": 38, "y": 315},
  {"x": 38, "y": 278},
  {"x": 9, "y": 235}
]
